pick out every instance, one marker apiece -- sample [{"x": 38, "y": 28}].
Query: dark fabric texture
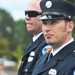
[
  {"x": 26, "y": 67},
  {"x": 63, "y": 62}
]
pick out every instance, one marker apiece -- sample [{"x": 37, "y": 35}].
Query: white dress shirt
[
  {"x": 36, "y": 37},
  {"x": 58, "y": 49}
]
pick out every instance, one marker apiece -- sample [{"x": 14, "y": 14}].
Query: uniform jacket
[
  {"x": 36, "y": 47},
  {"x": 63, "y": 63}
]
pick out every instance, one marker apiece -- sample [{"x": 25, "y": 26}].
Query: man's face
[
  {"x": 33, "y": 24},
  {"x": 56, "y": 31}
]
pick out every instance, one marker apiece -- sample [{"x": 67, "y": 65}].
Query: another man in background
[{"x": 38, "y": 46}]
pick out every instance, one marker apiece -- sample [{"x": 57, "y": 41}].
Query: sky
[{"x": 16, "y": 8}]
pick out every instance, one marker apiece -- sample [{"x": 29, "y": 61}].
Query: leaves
[{"x": 14, "y": 36}]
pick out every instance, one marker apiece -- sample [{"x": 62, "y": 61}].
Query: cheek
[
  {"x": 42, "y": 28},
  {"x": 34, "y": 21},
  {"x": 60, "y": 29},
  {"x": 60, "y": 34},
  {"x": 57, "y": 33}
]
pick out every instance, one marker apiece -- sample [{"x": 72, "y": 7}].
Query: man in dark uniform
[
  {"x": 57, "y": 18},
  {"x": 38, "y": 45}
]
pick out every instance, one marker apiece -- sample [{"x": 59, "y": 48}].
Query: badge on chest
[
  {"x": 52, "y": 72},
  {"x": 31, "y": 56}
]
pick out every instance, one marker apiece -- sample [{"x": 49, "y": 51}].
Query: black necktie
[{"x": 50, "y": 56}]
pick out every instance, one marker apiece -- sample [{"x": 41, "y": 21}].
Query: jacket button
[{"x": 26, "y": 70}]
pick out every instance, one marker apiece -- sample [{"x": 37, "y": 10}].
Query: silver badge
[
  {"x": 30, "y": 59},
  {"x": 69, "y": 16},
  {"x": 43, "y": 17},
  {"x": 74, "y": 50},
  {"x": 52, "y": 72},
  {"x": 48, "y": 4},
  {"x": 32, "y": 53},
  {"x": 49, "y": 17}
]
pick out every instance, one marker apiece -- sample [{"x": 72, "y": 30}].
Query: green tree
[
  {"x": 4, "y": 49},
  {"x": 6, "y": 24},
  {"x": 12, "y": 34},
  {"x": 22, "y": 36},
  {"x": 18, "y": 53}
]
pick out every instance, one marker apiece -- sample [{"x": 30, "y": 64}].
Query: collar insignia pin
[{"x": 49, "y": 16}]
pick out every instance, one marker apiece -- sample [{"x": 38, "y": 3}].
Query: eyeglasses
[{"x": 32, "y": 13}]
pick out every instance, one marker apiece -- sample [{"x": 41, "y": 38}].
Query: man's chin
[
  {"x": 47, "y": 41},
  {"x": 29, "y": 30}
]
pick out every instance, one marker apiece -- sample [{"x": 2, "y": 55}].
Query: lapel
[
  {"x": 59, "y": 56},
  {"x": 34, "y": 45},
  {"x": 41, "y": 64}
]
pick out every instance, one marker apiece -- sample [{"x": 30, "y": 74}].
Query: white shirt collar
[
  {"x": 36, "y": 37},
  {"x": 57, "y": 50}
]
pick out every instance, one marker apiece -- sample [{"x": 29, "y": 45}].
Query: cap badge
[
  {"x": 52, "y": 72},
  {"x": 48, "y": 4},
  {"x": 49, "y": 17}
]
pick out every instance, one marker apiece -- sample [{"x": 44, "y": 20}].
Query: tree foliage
[{"x": 13, "y": 36}]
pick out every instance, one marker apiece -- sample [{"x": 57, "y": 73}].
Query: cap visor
[{"x": 44, "y": 18}]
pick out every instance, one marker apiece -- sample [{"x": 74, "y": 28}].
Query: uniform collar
[
  {"x": 36, "y": 37},
  {"x": 58, "y": 49}
]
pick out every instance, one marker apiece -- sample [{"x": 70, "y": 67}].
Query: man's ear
[{"x": 70, "y": 26}]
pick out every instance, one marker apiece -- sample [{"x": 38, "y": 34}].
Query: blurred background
[{"x": 14, "y": 36}]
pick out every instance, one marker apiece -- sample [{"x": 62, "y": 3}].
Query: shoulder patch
[{"x": 46, "y": 49}]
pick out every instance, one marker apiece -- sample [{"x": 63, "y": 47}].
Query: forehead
[{"x": 34, "y": 5}]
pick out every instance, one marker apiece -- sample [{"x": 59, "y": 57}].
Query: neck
[{"x": 59, "y": 44}]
